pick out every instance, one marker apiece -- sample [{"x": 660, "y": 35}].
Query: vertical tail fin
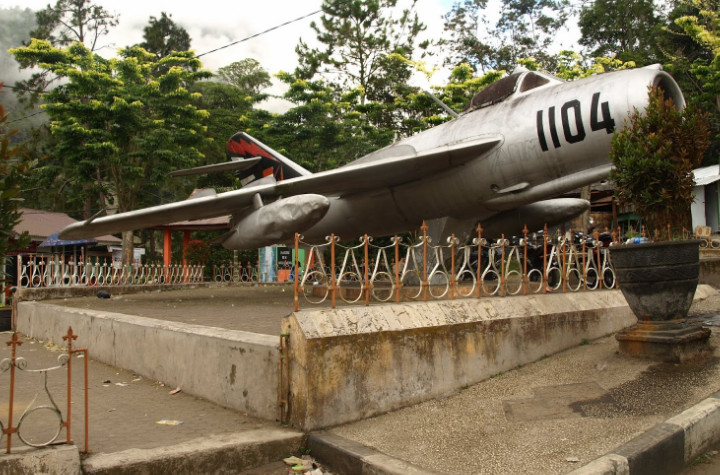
[{"x": 242, "y": 145}]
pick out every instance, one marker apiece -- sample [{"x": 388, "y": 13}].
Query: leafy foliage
[
  {"x": 625, "y": 29},
  {"x": 121, "y": 124},
  {"x": 69, "y": 21},
  {"x": 14, "y": 166},
  {"x": 654, "y": 156},
  {"x": 525, "y": 28},
  {"x": 247, "y": 75},
  {"x": 62, "y": 24},
  {"x": 163, "y": 36},
  {"x": 196, "y": 252},
  {"x": 357, "y": 37}
]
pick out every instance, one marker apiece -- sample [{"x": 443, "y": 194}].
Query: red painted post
[
  {"x": 69, "y": 338},
  {"x": 452, "y": 267},
  {"x": 479, "y": 261},
  {"x": 333, "y": 282},
  {"x": 502, "y": 263},
  {"x": 545, "y": 268},
  {"x": 398, "y": 284},
  {"x": 366, "y": 283},
  {"x": 424, "y": 282},
  {"x": 525, "y": 277},
  {"x": 14, "y": 342},
  {"x": 297, "y": 265}
]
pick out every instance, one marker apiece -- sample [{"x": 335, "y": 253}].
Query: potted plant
[{"x": 654, "y": 156}]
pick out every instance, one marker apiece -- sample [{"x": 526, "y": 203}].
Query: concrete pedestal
[{"x": 673, "y": 342}]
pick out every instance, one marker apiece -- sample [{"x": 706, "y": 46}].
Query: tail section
[{"x": 242, "y": 146}]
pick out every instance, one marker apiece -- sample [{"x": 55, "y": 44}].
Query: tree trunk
[{"x": 128, "y": 247}]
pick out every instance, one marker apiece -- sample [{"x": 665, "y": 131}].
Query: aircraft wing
[{"x": 364, "y": 176}]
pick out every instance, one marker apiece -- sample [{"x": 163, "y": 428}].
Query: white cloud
[{"x": 212, "y": 24}]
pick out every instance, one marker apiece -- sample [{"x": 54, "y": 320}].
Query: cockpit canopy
[{"x": 514, "y": 83}]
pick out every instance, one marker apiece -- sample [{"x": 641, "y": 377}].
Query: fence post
[
  {"x": 525, "y": 274},
  {"x": 398, "y": 284},
  {"x": 502, "y": 264},
  {"x": 69, "y": 338},
  {"x": 452, "y": 267},
  {"x": 563, "y": 272},
  {"x": 297, "y": 265},
  {"x": 333, "y": 282},
  {"x": 479, "y": 261},
  {"x": 546, "y": 272},
  {"x": 598, "y": 264},
  {"x": 366, "y": 282},
  {"x": 14, "y": 342},
  {"x": 424, "y": 282}
]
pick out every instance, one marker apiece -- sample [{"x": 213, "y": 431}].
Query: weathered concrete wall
[
  {"x": 57, "y": 460},
  {"x": 710, "y": 270},
  {"x": 356, "y": 362},
  {"x": 232, "y": 368}
]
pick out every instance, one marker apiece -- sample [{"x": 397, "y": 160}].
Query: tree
[
  {"x": 525, "y": 28},
  {"x": 697, "y": 62},
  {"x": 357, "y": 37},
  {"x": 326, "y": 128},
  {"x": 247, "y": 75},
  {"x": 61, "y": 25},
  {"x": 120, "y": 124},
  {"x": 226, "y": 106},
  {"x": 626, "y": 29},
  {"x": 73, "y": 20},
  {"x": 654, "y": 157},
  {"x": 163, "y": 36},
  {"x": 14, "y": 165}
]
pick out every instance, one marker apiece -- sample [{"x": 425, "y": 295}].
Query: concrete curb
[
  {"x": 666, "y": 448},
  {"x": 351, "y": 458},
  {"x": 230, "y": 453},
  {"x": 58, "y": 460}
]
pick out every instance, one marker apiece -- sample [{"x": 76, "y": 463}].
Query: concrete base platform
[
  {"x": 356, "y": 362},
  {"x": 498, "y": 327},
  {"x": 60, "y": 460},
  {"x": 229, "y": 453},
  {"x": 345, "y": 364}
]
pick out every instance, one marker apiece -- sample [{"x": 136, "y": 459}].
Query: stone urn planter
[{"x": 658, "y": 281}]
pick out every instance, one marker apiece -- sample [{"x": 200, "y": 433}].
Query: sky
[{"x": 212, "y": 24}]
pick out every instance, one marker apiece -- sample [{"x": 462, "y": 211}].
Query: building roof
[
  {"x": 42, "y": 224},
  {"x": 706, "y": 175}
]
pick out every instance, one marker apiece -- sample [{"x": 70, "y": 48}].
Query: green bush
[{"x": 654, "y": 157}]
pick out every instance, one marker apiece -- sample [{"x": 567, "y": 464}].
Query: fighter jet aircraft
[{"x": 521, "y": 142}]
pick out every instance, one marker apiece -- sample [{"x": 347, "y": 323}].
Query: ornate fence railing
[
  {"x": 537, "y": 263},
  {"x": 37, "y": 271},
  {"x": 40, "y": 425},
  {"x": 236, "y": 273}
]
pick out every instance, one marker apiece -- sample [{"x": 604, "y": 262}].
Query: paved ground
[
  {"x": 256, "y": 309},
  {"x": 124, "y": 408},
  {"x": 551, "y": 416}
]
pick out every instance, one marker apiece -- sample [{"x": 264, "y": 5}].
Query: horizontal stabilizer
[
  {"x": 271, "y": 161},
  {"x": 235, "y": 165}
]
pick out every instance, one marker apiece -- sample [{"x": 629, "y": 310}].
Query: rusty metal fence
[
  {"x": 236, "y": 273},
  {"x": 44, "y": 271},
  {"x": 529, "y": 264},
  {"x": 48, "y": 416}
]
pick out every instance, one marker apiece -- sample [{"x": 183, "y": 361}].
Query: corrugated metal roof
[
  {"x": 41, "y": 224},
  {"x": 706, "y": 175}
]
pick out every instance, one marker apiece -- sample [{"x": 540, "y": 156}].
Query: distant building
[
  {"x": 705, "y": 209},
  {"x": 43, "y": 227}
]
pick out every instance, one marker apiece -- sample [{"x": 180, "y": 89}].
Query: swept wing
[{"x": 364, "y": 176}]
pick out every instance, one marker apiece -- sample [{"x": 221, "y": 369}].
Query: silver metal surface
[{"x": 539, "y": 138}]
